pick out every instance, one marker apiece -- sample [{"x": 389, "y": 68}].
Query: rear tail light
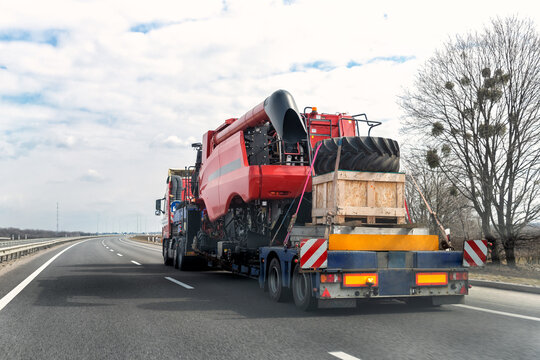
[
  {"x": 462, "y": 275},
  {"x": 330, "y": 278},
  {"x": 360, "y": 280},
  {"x": 431, "y": 279}
]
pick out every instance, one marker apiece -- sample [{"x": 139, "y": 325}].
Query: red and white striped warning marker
[
  {"x": 474, "y": 253},
  {"x": 313, "y": 253}
]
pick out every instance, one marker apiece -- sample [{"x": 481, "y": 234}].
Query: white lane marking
[
  {"x": 17, "y": 289},
  {"x": 136, "y": 263},
  {"x": 179, "y": 283},
  {"x": 119, "y": 254},
  {"x": 131, "y": 243},
  {"x": 498, "y": 312},
  {"x": 342, "y": 355},
  {"x": 111, "y": 250}
]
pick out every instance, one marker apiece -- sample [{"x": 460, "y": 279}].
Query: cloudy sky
[{"x": 99, "y": 98}]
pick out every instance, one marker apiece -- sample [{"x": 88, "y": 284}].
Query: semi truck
[{"x": 308, "y": 206}]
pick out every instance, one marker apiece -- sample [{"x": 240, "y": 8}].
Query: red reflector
[
  {"x": 330, "y": 278},
  {"x": 279, "y": 193},
  {"x": 325, "y": 294},
  {"x": 462, "y": 275}
]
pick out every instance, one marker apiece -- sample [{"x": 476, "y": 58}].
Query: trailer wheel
[
  {"x": 358, "y": 153},
  {"x": 302, "y": 291},
  {"x": 166, "y": 260},
  {"x": 275, "y": 282}
]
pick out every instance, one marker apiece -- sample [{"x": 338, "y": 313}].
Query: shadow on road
[{"x": 145, "y": 287}]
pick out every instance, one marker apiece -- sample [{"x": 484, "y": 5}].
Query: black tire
[
  {"x": 176, "y": 190},
  {"x": 180, "y": 259},
  {"x": 302, "y": 291},
  {"x": 358, "y": 153},
  {"x": 175, "y": 258},
  {"x": 166, "y": 260},
  {"x": 275, "y": 282}
]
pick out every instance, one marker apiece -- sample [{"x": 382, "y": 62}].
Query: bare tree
[
  {"x": 475, "y": 105},
  {"x": 517, "y": 179},
  {"x": 452, "y": 208}
]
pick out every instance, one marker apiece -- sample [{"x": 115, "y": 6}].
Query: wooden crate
[{"x": 370, "y": 197}]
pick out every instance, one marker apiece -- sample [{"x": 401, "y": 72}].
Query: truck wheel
[
  {"x": 275, "y": 283},
  {"x": 179, "y": 258},
  {"x": 358, "y": 153},
  {"x": 175, "y": 259},
  {"x": 166, "y": 260},
  {"x": 302, "y": 291}
]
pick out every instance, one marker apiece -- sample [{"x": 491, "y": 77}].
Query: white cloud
[
  {"x": 92, "y": 176},
  {"x": 117, "y": 108},
  {"x": 171, "y": 141}
]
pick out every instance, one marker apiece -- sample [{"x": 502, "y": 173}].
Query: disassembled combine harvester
[{"x": 301, "y": 201}]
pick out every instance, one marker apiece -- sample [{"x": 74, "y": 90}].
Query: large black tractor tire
[
  {"x": 302, "y": 290},
  {"x": 358, "y": 153}
]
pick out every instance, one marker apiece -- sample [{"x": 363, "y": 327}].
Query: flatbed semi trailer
[{"x": 348, "y": 240}]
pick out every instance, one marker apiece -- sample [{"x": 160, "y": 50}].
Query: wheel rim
[
  {"x": 300, "y": 288},
  {"x": 273, "y": 281}
]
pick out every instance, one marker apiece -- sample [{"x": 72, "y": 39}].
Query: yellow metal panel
[{"x": 365, "y": 242}]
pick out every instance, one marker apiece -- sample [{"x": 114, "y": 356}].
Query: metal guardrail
[
  {"x": 10, "y": 243},
  {"x": 15, "y": 252}
]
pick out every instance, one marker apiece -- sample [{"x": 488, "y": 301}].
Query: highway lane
[{"x": 92, "y": 303}]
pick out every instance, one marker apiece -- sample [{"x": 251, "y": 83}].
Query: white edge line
[
  {"x": 136, "y": 263},
  {"x": 498, "y": 312},
  {"x": 342, "y": 355},
  {"x": 179, "y": 283},
  {"x": 17, "y": 289}
]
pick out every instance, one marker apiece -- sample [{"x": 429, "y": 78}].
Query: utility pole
[{"x": 57, "y": 218}]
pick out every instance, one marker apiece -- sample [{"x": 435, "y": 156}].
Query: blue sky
[{"x": 98, "y": 100}]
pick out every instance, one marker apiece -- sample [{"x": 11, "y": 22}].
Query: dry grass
[{"x": 521, "y": 274}]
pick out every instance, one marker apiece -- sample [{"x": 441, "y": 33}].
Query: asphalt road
[{"x": 92, "y": 303}]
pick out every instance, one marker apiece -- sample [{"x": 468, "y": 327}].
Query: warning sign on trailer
[
  {"x": 474, "y": 253},
  {"x": 313, "y": 253}
]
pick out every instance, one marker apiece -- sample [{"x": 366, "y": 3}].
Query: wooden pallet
[{"x": 369, "y": 197}]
